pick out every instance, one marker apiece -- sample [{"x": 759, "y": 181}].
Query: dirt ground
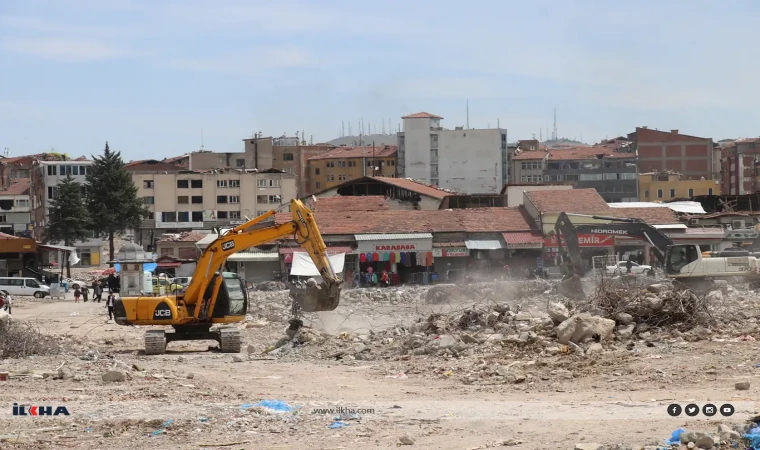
[{"x": 617, "y": 397}]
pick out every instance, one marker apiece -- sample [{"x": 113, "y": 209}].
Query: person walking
[
  {"x": 109, "y": 303},
  {"x": 628, "y": 265},
  {"x": 8, "y": 303},
  {"x": 85, "y": 293},
  {"x": 77, "y": 294},
  {"x": 97, "y": 291},
  {"x": 385, "y": 280}
]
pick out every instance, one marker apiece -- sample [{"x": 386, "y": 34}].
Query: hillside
[{"x": 379, "y": 139}]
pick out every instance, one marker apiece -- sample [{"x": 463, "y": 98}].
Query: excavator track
[
  {"x": 229, "y": 340},
  {"x": 155, "y": 342}
]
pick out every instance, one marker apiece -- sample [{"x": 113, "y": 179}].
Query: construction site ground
[{"x": 193, "y": 398}]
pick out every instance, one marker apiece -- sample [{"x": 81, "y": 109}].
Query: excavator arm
[{"x": 325, "y": 297}]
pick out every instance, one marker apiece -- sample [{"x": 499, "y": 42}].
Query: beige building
[{"x": 181, "y": 200}]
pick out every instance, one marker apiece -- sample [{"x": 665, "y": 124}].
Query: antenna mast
[
  {"x": 201, "y": 138},
  {"x": 555, "y": 125},
  {"x": 468, "y": 115}
]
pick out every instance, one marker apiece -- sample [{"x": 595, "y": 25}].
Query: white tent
[{"x": 303, "y": 265}]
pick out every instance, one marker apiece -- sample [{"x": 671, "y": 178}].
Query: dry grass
[{"x": 19, "y": 339}]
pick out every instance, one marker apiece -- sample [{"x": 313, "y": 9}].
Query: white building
[{"x": 464, "y": 160}]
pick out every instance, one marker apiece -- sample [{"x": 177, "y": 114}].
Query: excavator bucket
[{"x": 312, "y": 296}]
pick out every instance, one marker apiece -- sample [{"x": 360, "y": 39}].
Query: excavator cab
[{"x": 679, "y": 256}]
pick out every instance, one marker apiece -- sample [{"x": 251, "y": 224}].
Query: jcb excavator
[
  {"x": 685, "y": 263},
  {"x": 217, "y": 297}
]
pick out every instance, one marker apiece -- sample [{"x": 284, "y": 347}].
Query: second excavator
[{"x": 214, "y": 297}]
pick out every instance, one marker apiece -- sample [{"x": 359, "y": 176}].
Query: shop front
[
  {"x": 591, "y": 245},
  {"x": 486, "y": 257},
  {"x": 524, "y": 250},
  {"x": 16, "y": 254},
  {"x": 256, "y": 265},
  {"x": 407, "y": 257},
  {"x": 350, "y": 263},
  {"x": 450, "y": 260}
]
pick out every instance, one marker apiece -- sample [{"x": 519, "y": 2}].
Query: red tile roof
[
  {"x": 652, "y": 216},
  {"x": 416, "y": 186},
  {"x": 19, "y": 186},
  {"x": 174, "y": 159},
  {"x": 579, "y": 201},
  {"x": 8, "y": 236},
  {"x": 357, "y": 152},
  {"x": 563, "y": 154},
  {"x": 484, "y": 220},
  {"x": 422, "y": 115},
  {"x": 523, "y": 237},
  {"x": 350, "y": 203}
]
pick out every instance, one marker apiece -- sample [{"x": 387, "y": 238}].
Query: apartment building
[
  {"x": 349, "y": 163},
  {"x": 15, "y": 208},
  {"x": 181, "y": 200},
  {"x": 611, "y": 172},
  {"x": 740, "y": 166},
  {"x": 464, "y": 160},
  {"x": 660, "y": 186},
  {"x": 45, "y": 178},
  {"x": 691, "y": 156}
]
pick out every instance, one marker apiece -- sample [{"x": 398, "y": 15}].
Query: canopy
[
  {"x": 147, "y": 267},
  {"x": 303, "y": 265}
]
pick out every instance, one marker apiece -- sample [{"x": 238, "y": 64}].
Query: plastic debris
[
  {"x": 162, "y": 429},
  {"x": 753, "y": 436},
  {"x": 204, "y": 419},
  {"x": 338, "y": 424},
  {"x": 675, "y": 438},
  {"x": 274, "y": 405},
  {"x": 75, "y": 313},
  {"x": 90, "y": 355},
  {"x": 347, "y": 416},
  {"x": 398, "y": 376}
]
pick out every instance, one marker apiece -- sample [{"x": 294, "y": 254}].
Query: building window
[
  {"x": 149, "y": 200},
  {"x": 183, "y": 184},
  {"x": 287, "y": 157},
  {"x": 196, "y": 184},
  {"x": 52, "y": 192},
  {"x": 710, "y": 191},
  {"x": 221, "y": 214},
  {"x": 52, "y": 170},
  {"x": 234, "y": 199},
  {"x": 628, "y": 176},
  {"x": 148, "y": 184},
  {"x": 274, "y": 199},
  {"x": 331, "y": 178},
  {"x": 75, "y": 170},
  {"x": 197, "y": 216},
  {"x": 221, "y": 199},
  {"x": 531, "y": 178},
  {"x": 274, "y": 183},
  {"x": 196, "y": 199},
  {"x": 610, "y": 176},
  {"x": 531, "y": 165},
  {"x": 183, "y": 199},
  {"x": 183, "y": 216},
  {"x": 391, "y": 162},
  {"x": 672, "y": 193},
  {"x": 169, "y": 216},
  {"x": 646, "y": 194},
  {"x": 150, "y": 216},
  {"x": 330, "y": 164},
  {"x": 352, "y": 164},
  {"x": 261, "y": 199},
  {"x": 22, "y": 202},
  {"x": 341, "y": 164},
  {"x": 553, "y": 177},
  {"x": 316, "y": 171},
  {"x": 234, "y": 214},
  {"x": 3, "y": 219},
  {"x": 691, "y": 192},
  {"x": 659, "y": 193},
  {"x": 261, "y": 183},
  {"x": 240, "y": 163},
  {"x": 571, "y": 177},
  {"x": 221, "y": 183},
  {"x": 234, "y": 183},
  {"x": 318, "y": 185},
  {"x": 341, "y": 178},
  {"x": 591, "y": 177}
]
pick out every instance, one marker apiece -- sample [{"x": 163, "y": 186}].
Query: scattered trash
[
  {"x": 399, "y": 376},
  {"x": 753, "y": 436},
  {"x": 90, "y": 355},
  {"x": 274, "y": 405},
  {"x": 346, "y": 416},
  {"x": 75, "y": 313},
  {"x": 204, "y": 419},
  {"x": 338, "y": 424},
  {"x": 675, "y": 438},
  {"x": 162, "y": 430}
]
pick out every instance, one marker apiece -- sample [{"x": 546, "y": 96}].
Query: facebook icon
[{"x": 674, "y": 410}]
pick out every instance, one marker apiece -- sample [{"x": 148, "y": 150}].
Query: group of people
[{"x": 97, "y": 291}]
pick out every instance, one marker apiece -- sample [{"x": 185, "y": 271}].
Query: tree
[
  {"x": 68, "y": 220},
  {"x": 112, "y": 198}
]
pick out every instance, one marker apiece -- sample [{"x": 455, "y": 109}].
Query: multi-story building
[
  {"x": 463, "y": 160},
  {"x": 611, "y": 172},
  {"x": 181, "y": 200},
  {"x": 15, "y": 209},
  {"x": 660, "y": 186},
  {"x": 739, "y": 167},
  {"x": 691, "y": 156},
  {"x": 349, "y": 163},
  {"x": 45, "y": 178},
  {"x": 263, "y": 153}
]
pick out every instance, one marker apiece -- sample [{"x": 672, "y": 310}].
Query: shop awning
[
  {"x": 57, "y": 247},
  {"x": 483, "y": 245},
  {"x": 523, "y": 239},
  {"x": 168, "y": 264},
  {"x": 330, "y": 250},
  {"x": 448, "y": 244},
  {"x": 672, "y": 226},
  {"x": 252, "y": 255},
  {"x": 393, "y": 236}
]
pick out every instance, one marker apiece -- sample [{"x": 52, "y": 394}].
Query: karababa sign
[
  {"x": 584, "y": 240},
  {"x": 162, "y": 312}
]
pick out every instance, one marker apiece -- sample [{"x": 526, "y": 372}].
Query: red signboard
[{"x": 584, "y": 240}]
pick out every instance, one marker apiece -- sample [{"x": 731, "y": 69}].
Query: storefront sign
[
  {"x": 525, "y": 245},
  {"x": 452, "y": 252},
  {"x": 409, "y": 247},
  {"x": 584, "y": 240}
]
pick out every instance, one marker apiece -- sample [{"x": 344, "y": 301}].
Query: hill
[{"x": 379, "y": 139}]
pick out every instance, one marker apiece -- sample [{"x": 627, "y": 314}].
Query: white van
[{"x": 24, "y": 287}]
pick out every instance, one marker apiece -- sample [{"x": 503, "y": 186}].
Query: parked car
[
  {"x": 620, "y": 268},
  {"x": 183, "y": 281},
  {"x": 24, "y": 287},
  {"x": 69, "y": 283},
  {"x": 170, "y": 287}
]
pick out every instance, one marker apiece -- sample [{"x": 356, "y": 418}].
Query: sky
[{"x": 159, "y": 78}]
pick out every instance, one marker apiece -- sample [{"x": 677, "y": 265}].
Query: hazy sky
[{"x": 148, "y": 76}]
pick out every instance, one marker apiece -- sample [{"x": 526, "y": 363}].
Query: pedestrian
[
  {"x": 385, "y": 280},
  {"x": 109, "y": 303},
  {"x": 8, "y": 303},
  {"x": 96, "y": 291},
  {"x": 85, "y": 293},
  {"x": 629, "y": 265},
  {"x": 77, "y": 294}
]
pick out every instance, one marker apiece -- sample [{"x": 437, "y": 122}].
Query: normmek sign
[{"x": 584, "y": 240}]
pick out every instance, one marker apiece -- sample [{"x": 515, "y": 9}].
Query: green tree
[
  {"x": 68, "y": 220},
  {"x": 112, "y": 198}
]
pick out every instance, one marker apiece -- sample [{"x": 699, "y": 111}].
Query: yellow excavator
[{"x": 217, "y": 297}]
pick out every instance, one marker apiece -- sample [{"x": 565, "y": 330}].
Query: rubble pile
[{"x": 19, "y": 339}]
